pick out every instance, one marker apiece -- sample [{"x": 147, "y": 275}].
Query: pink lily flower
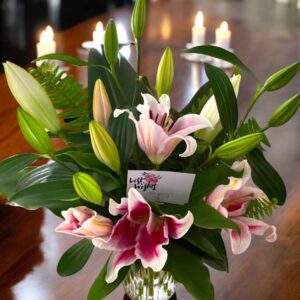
[
  {"x": 158, "y": 133},
  {"x": 231, "y": 201},
  {"x": 140, "y": 234},
  {"x": 84, "y": 222}
]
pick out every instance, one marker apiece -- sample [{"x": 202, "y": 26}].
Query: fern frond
[
  {"x": 261, "y": 208},
  {"x": 69, "y": 97}
]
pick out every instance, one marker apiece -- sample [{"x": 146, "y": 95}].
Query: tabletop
[{"x": 266, "y": 37}]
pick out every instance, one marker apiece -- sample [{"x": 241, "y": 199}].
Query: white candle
[
  {"x": 47, "y": 44},
  {"x": 198, "y": 32},
  {"x": 98, "y": 35},
  {"x": 223, "y": 36}
]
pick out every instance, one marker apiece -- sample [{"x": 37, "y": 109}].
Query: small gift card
[{"x": 161, "y": 186}]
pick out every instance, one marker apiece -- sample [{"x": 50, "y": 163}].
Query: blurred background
[{"x": 21, "y": 21}]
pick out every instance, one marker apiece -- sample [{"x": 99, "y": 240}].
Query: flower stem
[{"x": 138, "y": 56}]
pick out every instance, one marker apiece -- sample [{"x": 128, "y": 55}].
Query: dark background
[{"x": 21, "y": 21}]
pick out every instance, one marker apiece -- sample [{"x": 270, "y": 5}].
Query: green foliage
[
  {"x": 266, "y": 177},
  {"x": 66, "y": 93},
  {"x": 188, "y": 269},
  {"x": 225, "y": 97},
  {"x": 261, "y": 208},
  {"x": 111, "y": 43},
  {"x": 100, "y": 288},
  {"x": 251, "y": 126},
  {"x": 223, "y": 54},
  {"x": 196, "y": 104},
  {"x": 75, "y": 258}
]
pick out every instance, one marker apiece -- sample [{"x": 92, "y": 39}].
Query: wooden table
[{"x": 266, "y": 38}]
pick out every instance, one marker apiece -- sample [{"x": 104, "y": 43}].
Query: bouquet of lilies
[{"x": 87, "y": 140}]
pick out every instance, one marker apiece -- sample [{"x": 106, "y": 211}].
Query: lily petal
[
  {"x": 177, "y": 228},
  {"x": 149, "y": 247},
  {"x": 117, "y": 261},
  {"x": 123, "y": 237},
  {"x": 116, "y": 209}
]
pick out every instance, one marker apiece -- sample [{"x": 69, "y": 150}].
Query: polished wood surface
[{"x": 266, "y": 37}]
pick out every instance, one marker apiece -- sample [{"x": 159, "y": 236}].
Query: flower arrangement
[{"x": 120, "y": 123}]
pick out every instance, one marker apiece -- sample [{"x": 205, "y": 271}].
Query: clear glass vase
[{"x": 145, "y": 284}]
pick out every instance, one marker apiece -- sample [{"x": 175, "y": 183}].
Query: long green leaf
[
  {"x": 207, "y": 217},
  {"x": 188, "y": 269},
  {"x": 11, "y": 166},
  {"x": 225, "y": 97},
  {"x": 266, "y": 177},
  {"x": 101, "y": 288},
  {"x": 223, "y": 54},
  {"x": 45, "y": 194},
  {"x": 74, "y": 259},
  {"x": 123, "y": 132}
]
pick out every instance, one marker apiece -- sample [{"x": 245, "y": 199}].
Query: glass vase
[{"x": 145, "y": 284}]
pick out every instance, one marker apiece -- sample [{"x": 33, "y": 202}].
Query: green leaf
[
  {"x": 223, "y": 54},
  {"x": 12, "y": 165},
  {"x": 203, "y": 92},
  {"x": 51, "y": 171},
  {"x": 188, "y": 269},
  {"x": 225, "y": 97},
  {"x": 208, "y": 179},
  {"x": 238, "y": 147},
  {"x": 207, "y": 217},
  {"x": 123, "y": 132},
  {"x": 75, "y": 258},
  {"x": 266, "y": 177},
  {"x": 45, "y": 194},
  {"x": 207, "y": 240},
  {"x": 66, "y": 58},
  {"x": 111, "y": 44},
  {"x": 101, "y": 288},
  {"x": 68, "y": 96},
  {"x": 282, "y": 77}
]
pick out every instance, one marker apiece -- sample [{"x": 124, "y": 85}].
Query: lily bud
[
  {"x": 238, "y": 147},
  {"x": 34, "y": 133},
  {"x": 104, "y": 147},
  {"x": 101, "y": 104},
  {"x": 111, "y": 43},
  {"x": 87, "y": 188},
  {"x": 138, "y": 19},
  {"x": 282, "y": 77},
  {"x": 165, "y": 73},
  {"x": 285, "y": 111},
  {"x": 31, "y": 96},
  {"x": 211, "y": 114}
]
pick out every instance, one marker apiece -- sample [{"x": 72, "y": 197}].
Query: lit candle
[
  {"x": 47, "y": 44},
  {"x": 198, "y": 33},
  {"x": 98, "y": 35},
  {"x": 223, "y": 36}
]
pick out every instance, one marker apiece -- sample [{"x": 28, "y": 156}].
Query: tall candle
[
  {"x": 223, "y": 36},
  {"x": 198, "y": 31},
  {"x": 47, "y": 44},
  {"x": 98, "y": 35}
]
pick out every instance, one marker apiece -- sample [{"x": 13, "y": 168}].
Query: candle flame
[
  {"x": 47, "y": 35},
  {"x": 224, "y": 26},
  {"x": 199, "y": 19},
  {"x": 99, "y": 26}
]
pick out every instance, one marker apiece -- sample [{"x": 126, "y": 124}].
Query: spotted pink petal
[
  {"x": 123, "y": 237},
  {"x": 260, "y": 228},
  {"x": 177, "y": 228},
  {"x": 149, "y": 247},
  {"x": 188, "y": 124},
  {"x": 138, "y": 209},
  {"x": 117, "y": 261}
]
